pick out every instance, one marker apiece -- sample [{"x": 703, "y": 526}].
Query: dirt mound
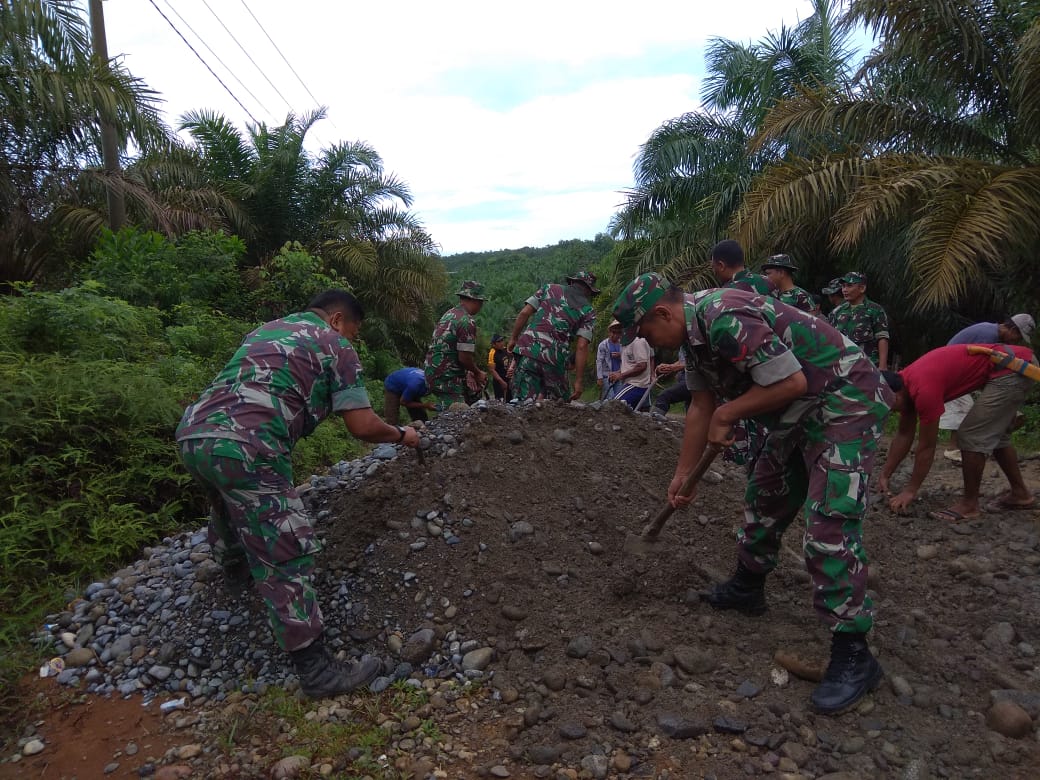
[
  {"x": 516, "y": 542},
  {"x": 500, "y": 560}
]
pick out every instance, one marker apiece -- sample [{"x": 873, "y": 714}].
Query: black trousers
[{"x": 673, "y": 395}]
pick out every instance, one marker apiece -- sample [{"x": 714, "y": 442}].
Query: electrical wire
[
  {"x": 248, "y": 55},
  {"x": 286, "y": 61},
  {"x": 217, "y": 56},
  {"x": 193, "y": 51}
]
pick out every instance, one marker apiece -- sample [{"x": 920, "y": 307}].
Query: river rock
[
  {"x": 596, "y": 765},
  {"x": 290, "y": 767},
  {"x": 477, "y": 659},
  {"x": 543, "y": 754},
  {"x": 32, "y": 747},
  {"x": 677, "y": 727},
  {"x": 78, "y": 656},
  {"x": 418, "y": 646},
  {"x": 1007, "y": 718},
  {"x": 579, "y": 647},
  {"x": 693, "y": 660}
]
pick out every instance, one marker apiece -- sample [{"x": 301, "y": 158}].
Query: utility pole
[{"x": 109, "y": 144}]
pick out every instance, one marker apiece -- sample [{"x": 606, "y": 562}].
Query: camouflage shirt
[
  {"x": 800, "y": 299},
  {"x": 736, "y": 340},
  {"x": 751, "y": 282},
  {"x": 865, "y": 325},
  {"x": 288, "y": 376},
  {"x": 456, "y": 332},
  {"x": 560, "y": 313}
]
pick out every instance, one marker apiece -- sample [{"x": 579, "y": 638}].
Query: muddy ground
[{"x": 607, "y": 664}]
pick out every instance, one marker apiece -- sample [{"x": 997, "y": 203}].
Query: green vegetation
[
  {"x": 918, "y": 164},
  {"x": 512, "y": 276}
]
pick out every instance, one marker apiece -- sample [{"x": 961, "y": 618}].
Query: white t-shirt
[{"x": 639, "y": 351}]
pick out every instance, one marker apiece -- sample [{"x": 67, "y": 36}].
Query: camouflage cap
[
  {"x": 588, "y": 278},
  {"x": 635, "y": 301},
  {"x": 780, "y": 261},
  {"x": 854, "y": 277},
  {"x": 471, "y": 289},
  {"x": 833, "y": 287}
]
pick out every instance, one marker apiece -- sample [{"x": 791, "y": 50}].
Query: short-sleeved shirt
[
  {"x": 979, "y": 333},
  {"x": 560, "y": 314},
  {"x": 639, "y": 351},
  {"x": 737, "y": 339},
  {"x": 950, "y": 372},
  {"x": 286, "y": 377},
  {"x": 409, "y": 383},
  {"x": 455, "y": 332},
  {"x": 799, "y": 298},
  {"x": 865, "y": 324},
  {"x": 749, "y": 281}
]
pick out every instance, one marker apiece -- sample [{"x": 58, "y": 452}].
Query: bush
[
  {"x": 145, "y": 269},
  {"x": 79, "y": 322}
]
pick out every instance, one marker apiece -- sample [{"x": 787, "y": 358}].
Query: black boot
[
  {"x": 851, "y": 674},
  {"x": 744, "y": 592},
  {"x": 321, "y": 675},
  {"x": 237, "y": 575}
]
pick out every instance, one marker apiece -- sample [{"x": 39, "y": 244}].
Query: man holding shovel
[{"x": 823, "y": 403}]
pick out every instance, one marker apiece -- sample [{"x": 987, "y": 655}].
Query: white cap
[{"x": 1025, "y": 325}]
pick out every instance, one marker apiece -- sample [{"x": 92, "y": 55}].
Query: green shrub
[
  {"x": 146, "y": 269},
  {"x": 79, "y": 322}
]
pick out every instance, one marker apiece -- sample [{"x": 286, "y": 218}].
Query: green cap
[
  {"x": 635, "y": 301},
  {"x": 854, "y": 277},
  {"x": 471, "y": 289},
  {"x": 588, "y": 278},
  {"x": 780, "y": 261},
  {"x": 833, "y": 287}
]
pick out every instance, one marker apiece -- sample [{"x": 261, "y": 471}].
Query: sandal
[{"x": 949, "y": 516}]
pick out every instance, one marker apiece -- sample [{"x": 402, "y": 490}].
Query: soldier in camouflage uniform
[
  {"x": 542, "y": 336},
  {"x": 237, "y": 440},
  {"x": 833, "y": 293},
  {"x": 862, "y": 320},
  {"x": 823, "y": 404},
  {"x": 452, "y": 351},
  {"x": 727, "y": 263},
  {"x": 780, "y": 269}
]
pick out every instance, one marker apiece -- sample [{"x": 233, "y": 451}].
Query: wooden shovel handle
[{"x": 653, "y": 528}]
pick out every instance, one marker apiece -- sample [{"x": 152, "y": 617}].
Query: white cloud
[{"x": 396, "y": 76}]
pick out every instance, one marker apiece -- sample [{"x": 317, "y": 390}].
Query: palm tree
[
  {"x": 340, "y": 204},
  {"x": 693, "y": 171},
  {"x": 53, "y": 97},
  {"x": 936, "y": 182}
]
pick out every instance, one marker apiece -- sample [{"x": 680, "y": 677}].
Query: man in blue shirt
[
  {"x": 405, "y": 387},
  {"x": 1014, "y": 330}
]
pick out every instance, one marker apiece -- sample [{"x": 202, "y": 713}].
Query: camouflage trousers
[
  {"x": 535, "y": 379},
  {"x": 447, "y": 390},
  {"x": 256, "y": 516},
  {"x": 804, "y": 470},
  {"x": 749, "y": 438}
]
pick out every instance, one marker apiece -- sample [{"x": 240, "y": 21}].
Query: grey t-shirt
[{"x": 979, "y": 333}]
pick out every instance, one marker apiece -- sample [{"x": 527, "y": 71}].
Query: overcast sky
[{"x": 514, "y": 124}]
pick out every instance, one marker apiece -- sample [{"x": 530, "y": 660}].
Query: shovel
[{"x": 648, "y": 541}]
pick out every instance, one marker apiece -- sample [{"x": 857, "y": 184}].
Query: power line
[
  {"x": 286, "y": 61},
  {"x": 248, "y": 55},
  {"x": 217, "y": 56},
  {"x": 218, "y": 78}
]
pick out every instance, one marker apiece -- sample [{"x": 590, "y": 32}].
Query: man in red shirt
[{"x": 929, "y": 382}]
